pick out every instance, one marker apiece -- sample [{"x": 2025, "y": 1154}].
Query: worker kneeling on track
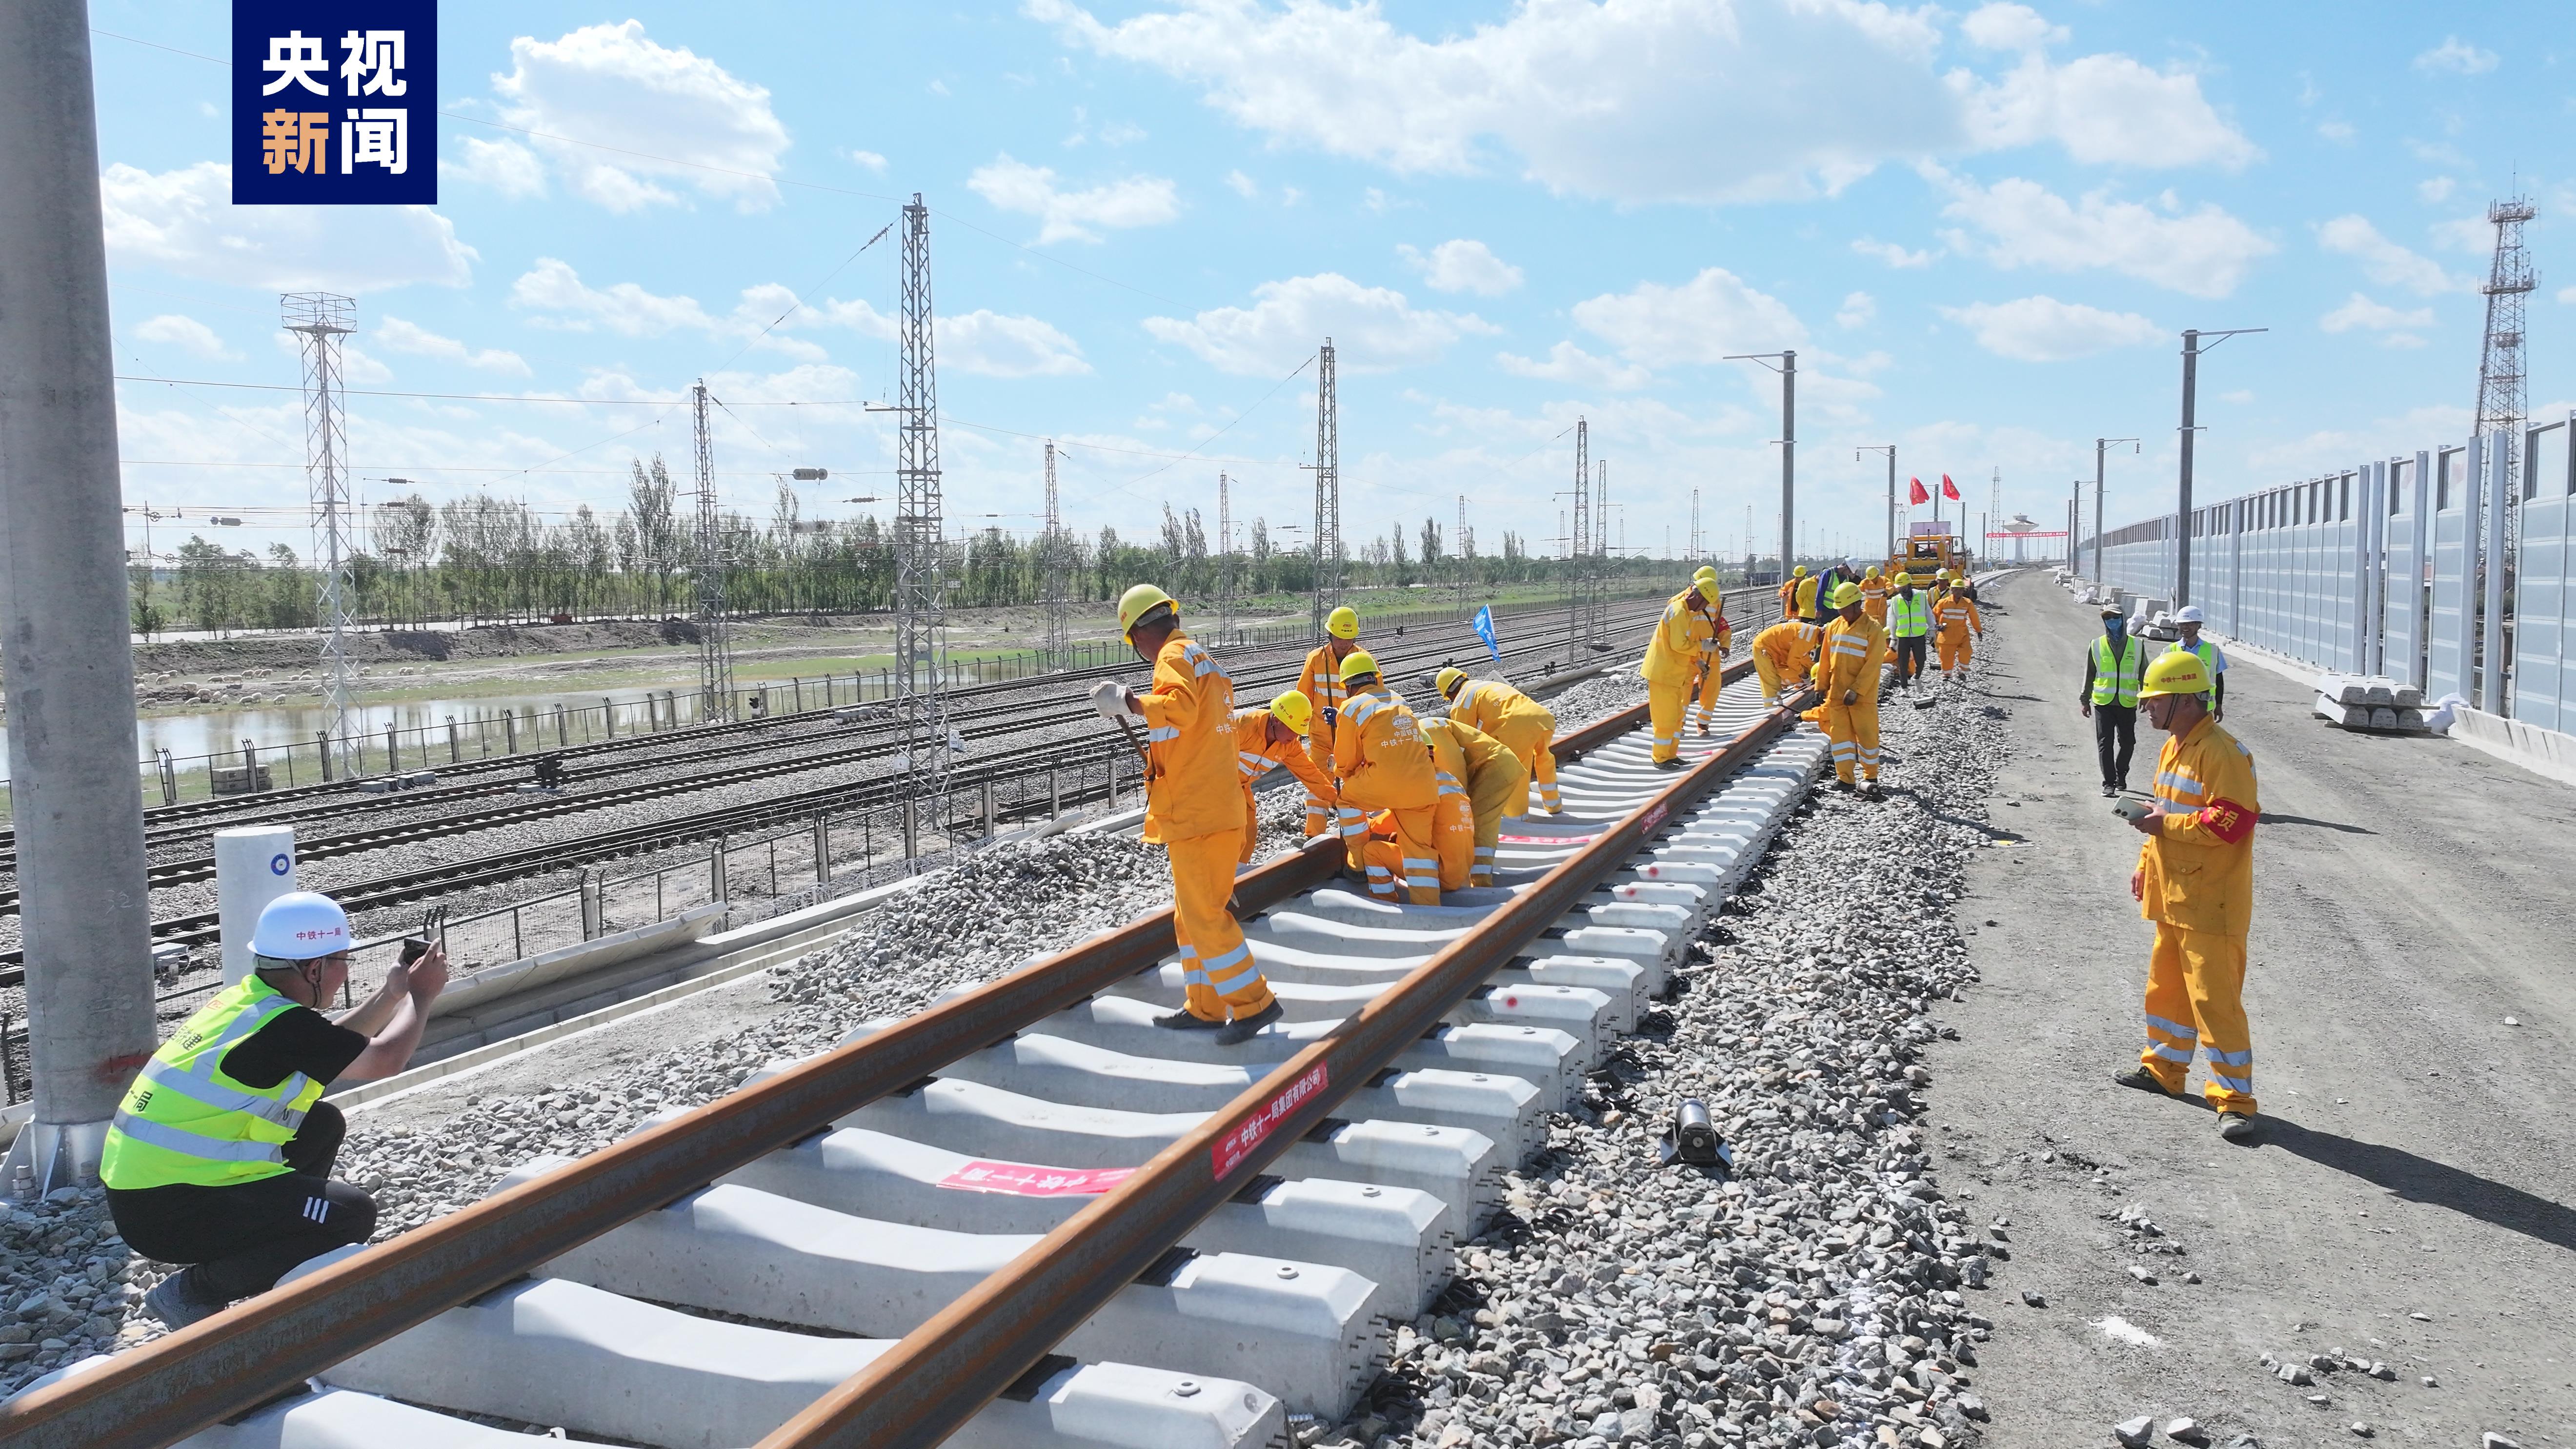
[
  {"x": 1854, "y": 648},
  {"x": 1526, "y": 727},
  {"x": 1320, "y": 680},
  {"x": 1384, "y": 766},
  {"x": 220, "y": 1156},
  {"x": 1194, "y": 809},
  {"x": 1480, "y": 784},
  {"x": 1783, "y": 654},
  {"x": 1269, "y": 735},
  {"x": 1672, "y": 663},
  {"x": 1952, "y": 617},
  {"x": 2195, "y": 880},
  {"x": 1712, "y": 651}
]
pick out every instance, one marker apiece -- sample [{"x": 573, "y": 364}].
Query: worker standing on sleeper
[
  {"x": 2195, "y": 880},
  {"x": 1384, "y": 766},
  {"x": 1526, "y": 727},
  {"x": 220, "y": 1156},
  {"x": 1713, "y": 651},
  {"x": 1847, "y": 673},
  {"x": 1320, "y": 680},
  {"x": 1194, "y": 809},
  {"x": 1671, "y": 664},
  {"x": 1271, "y": 735}
]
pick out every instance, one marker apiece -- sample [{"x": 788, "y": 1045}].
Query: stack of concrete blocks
[{"x": 2372, "y": 702}]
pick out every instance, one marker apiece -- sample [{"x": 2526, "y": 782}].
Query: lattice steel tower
[
  {"x": 715, "y": 647},
  {"x": 2502, "y": 386},
  {"x": 1578, "y": 549},
  {"x": 1224, "y": 557},
  {"x": 1464, "y": 546},
  {"x": 322, "y": 319},
  {"x": 920, "y": 597},
  {"x": 1055, "y": 556},
  {"x": 1598, "y": 580},
  {"x": 1328, "y": 489}
]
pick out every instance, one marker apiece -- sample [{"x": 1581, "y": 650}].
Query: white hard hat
[
  {"x": 299, "y": 926},
  {"x": 2189, "y": 614}
]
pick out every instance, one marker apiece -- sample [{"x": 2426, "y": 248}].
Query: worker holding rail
[
  {"x": 220, "y": 1156},
  {"x": 1782, "y": 655},
  {"x": 1320, "y": 680},
  {"x": 1526, "y": 727},
  {"x": 1672, "y": 661},
  {"x": 1712, "y": 651},
  {"x": 1384, "y": 765},
  {"x": 2195, "y": 880},
  {"x": 1194, "y": 809},
  {"x": 1267, "y": 736},
  {"x": 1480, "y": 783}
]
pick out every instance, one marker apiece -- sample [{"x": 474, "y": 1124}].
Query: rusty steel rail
[
  {"x": 940, "y": 1375},
  {"x": 165, "y": 1390}
]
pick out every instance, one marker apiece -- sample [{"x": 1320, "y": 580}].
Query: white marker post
[{"x": 254, "y": 864}]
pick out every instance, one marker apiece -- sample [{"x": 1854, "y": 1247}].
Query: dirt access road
[{"x": 2408, "y": 1198}]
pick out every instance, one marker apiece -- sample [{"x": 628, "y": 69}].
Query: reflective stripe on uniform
[
  {"x": 2174, "y": 779},
  {"x": 167, "y": 1078},
  {"x": 2233, "y": 1084},
  {"x": 2244, "y": 1058},
  {"x": 1201, "y": 662},
  {"x": 196, "y": 1144},
  {"x": 2187, "y": 1033},
  {"x": 1162, "y": 733},
  {"x": 2169, "y": 1053}
]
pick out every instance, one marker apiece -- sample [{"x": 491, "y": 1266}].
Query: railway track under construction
[{"x": 1023, "y": 1216}]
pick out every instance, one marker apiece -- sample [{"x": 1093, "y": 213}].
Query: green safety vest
[
  {"x": 2115, "y": 681},
  {"x": 184, "y": 1121},
  {"x": 2208, "y": 654},
  {"x": 1907, "y": 618}
]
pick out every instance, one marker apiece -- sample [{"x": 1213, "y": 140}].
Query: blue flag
[{"x": 1485, "y": 631}]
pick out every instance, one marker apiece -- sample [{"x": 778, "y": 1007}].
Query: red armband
[{"x": 2227, "y": 820}]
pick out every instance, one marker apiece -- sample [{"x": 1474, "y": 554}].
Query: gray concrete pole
[
  {"x": 2098, "y": 445},
  {"x": 77, "y": 802},
  {"x": 2182, "y": 512},
  {"x": 1788, "y": 460}
]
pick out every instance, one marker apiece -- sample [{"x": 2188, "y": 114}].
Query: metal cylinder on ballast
[
  {"x": 76, "y": 799},
  {"x": 254, "y": 864}
]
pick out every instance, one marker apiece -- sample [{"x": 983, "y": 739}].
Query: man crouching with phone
[{"x": 220, "y": 1156}]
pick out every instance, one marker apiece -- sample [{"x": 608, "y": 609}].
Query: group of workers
[
  {"x": 2115, "y": 668},
  {"x": 1916, "y": 620}
]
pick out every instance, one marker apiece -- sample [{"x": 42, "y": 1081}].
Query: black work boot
[{"x": 1244, "y": 1028}]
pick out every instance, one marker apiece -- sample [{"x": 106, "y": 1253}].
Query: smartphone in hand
[
  {"x": 2130, "y": 809},
  {"x": 433, "y": 924}
]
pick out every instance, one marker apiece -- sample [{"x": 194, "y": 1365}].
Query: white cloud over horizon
[
  {"x": 1373, "y": 328},
  {"x": 2044, "y": 329}
]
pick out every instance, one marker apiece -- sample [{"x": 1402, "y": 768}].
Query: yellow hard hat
[
  {"x": 1799, "y": 572},
  {"x": 1447, "y": 682},
  {"x": 1703, "y": 572},
  {"x": 1136, "y": 603},
  {"x": 1707, "y": 588},
  {"x": 1873, "y": 572},
  {"x": 2177, "y": 672},
  {"x": 1903, "y": 580},
  {"x": 1357, "y": 663},
  {"x": 1846, "y": 595},
  {"x": 1343, "y": 623},
  {"x": 1294, "y": 710}
]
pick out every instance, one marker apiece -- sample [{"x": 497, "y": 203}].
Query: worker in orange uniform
[
  {"x": 1712, "y": 653},
  {"x": 1320, "y": 680},
  {"x": 1526, "y": 728},
  {"x": 1481, "y": 783},
  {"x": 1951, "y": 619},
  {"x": 1853, "y": 648},
  {"x": 1384, "y": 766},
  {"x": 1194, "y": 809},
  {"x": 1811, "y": 597},
  {"x": 1671, "y": 664},
  {"x": 1873, "y": 596},
  {"x": 1782, "y": 655},
  {"x": 1789, "y": 592},
  {"x": 1267, "y": 736},
  {"x": 2195, "y": 880}
]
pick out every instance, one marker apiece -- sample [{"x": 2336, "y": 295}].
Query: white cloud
[
  {"x": 1891, "y": 253},
  {"x": 2435, "y": 190},
  {"x": 1462, "y": 265},
  {"x": 2339, "y": 131},
  {"x": 611, "y": 86},
  {"x": 1244, "y": 186},
  {"x": 992, "y": 345},
  {"x": 184, "y": 221},
  {"x": 2458, "y": 57},
  {"x": 185, "y": 333},
  {"x": 396, "y": 335},
  {"x": 1859, "y": 309},
  {"x": 2203, "y": 253},
  {"x": 506, "y": 166},
  {"x": 1373, "y": 328},
  {"x": 2361, "y": 311},
  {"x": 2567, "y": 295},
  {"x": 1073, "y": 215},
  {"x": 553, "y": 289},
  {"x": 2384, "y": 261},
  {"x": 2473, "y": 234},
  {"x": 2010, "y": 27},
  {"x": 1569, "y": 363},
  {"x": 2401, "y": 339},
  {"x": 1705, "y": 319},
  {"x": 867, "y": 159},
  {"x": 2103, "y": 109},
  {"x": 2044, "y": 329}
]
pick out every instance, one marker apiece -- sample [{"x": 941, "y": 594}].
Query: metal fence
[{"x": 2453, "y": 569}]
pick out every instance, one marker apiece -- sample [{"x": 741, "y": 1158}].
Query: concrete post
[
  {"x": 594, "y": 905},
  {"x": 254, "y": 864},
  {"x": 84, "y": 909},
  {"x": 2499, "y": 484},
  {"x": 822, "y": 849}
]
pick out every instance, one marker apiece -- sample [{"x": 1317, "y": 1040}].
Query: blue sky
[{"x": 1982, "y": 228}]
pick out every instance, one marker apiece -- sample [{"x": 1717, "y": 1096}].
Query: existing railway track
[{"x": 1222, "y": 1261}]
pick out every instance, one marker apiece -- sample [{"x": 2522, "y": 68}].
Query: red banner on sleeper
[
  {"x": 1020, "y": 1179},
  {"x": 1235, "y": 1146}
]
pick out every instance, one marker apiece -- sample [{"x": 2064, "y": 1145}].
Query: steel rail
[
  {"x": 927, "y": 1386},
  {"x": 162, "y": 1391}
]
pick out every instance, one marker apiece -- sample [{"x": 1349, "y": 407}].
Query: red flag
[
  {"x": 1949, "y": 489},
  {"x": 1915, "y": 493}
]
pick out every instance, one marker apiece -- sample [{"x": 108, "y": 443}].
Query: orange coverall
[
  {"x": 1671, "y": 667},
  {"x": 1873, "y": 599},
  {"x": 1480, "y": 783},
  {"x": 1255, "y": 754},
  {"x": 1194, "y": 810},
  {"x": 1782, "y": 654},
  {"x": 1950, "y": 620},
  {"x": 1853, "y": 652},
  {"x": 1384, "y": 764},
  {"x": 1526, "y": 728},
  {"x": 1321, "y": 682},
  {"x": 2195, "y": 880},
  {"x": 1712, "y": 665}
]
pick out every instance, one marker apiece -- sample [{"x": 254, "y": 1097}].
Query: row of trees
[{"x": 483, "y": 559}]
